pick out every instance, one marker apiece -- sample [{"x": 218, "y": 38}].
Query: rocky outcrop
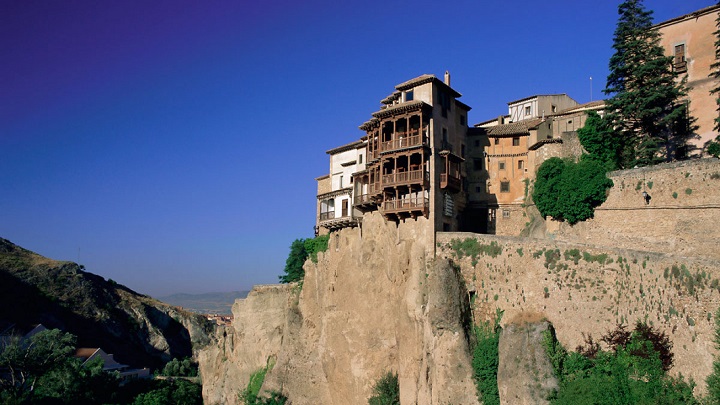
[
  {"x": 376, "y": 301},
  {"x": 525, "y": 374}
]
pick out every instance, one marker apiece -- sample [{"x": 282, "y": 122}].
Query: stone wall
[
  {"x": 582, "y": 289},
  {"x": 680, "y": 218}
]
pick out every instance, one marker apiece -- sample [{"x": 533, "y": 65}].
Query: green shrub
[
  {"x": 486, "y": 359},
  {"x": 300, "y": 250},
  {"x": 569, "y": 191},
  {"x": 386, "y": 390}
]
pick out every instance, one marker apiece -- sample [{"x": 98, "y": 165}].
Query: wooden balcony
[
  {"x": 450, "y": 182},
  {"x": 406, "y": 207},
  {"x": 325, "y": 216},
  {"x": 404, "y": 140},
  {"x": 403, "y": 178}
]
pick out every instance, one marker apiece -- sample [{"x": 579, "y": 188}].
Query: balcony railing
[
  {"x": 449, "y": 181},
  {"x": 407, "y": 204},
  {"x": 404, "y": 140},
  {"x": 374, "y": 188},
  {"x": 324, "y": 216},
  {"x": 413, "y": 176},
  {"x": 362, "y": 199}
]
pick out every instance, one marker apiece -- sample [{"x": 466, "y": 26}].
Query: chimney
[
  {"x": 447, "y": 78},
  {"x": 501, "y": 120}
]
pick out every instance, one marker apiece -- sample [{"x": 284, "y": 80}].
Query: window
[
  {"x": 409, "y": 95},
  {"x": 478, "y": 189},
  {"x": 506, "y": 213},
  {"x": 679, "y": 62},
  {"x": 527, "y": 110},
  {"x": 569, "y": 122},
  {"x": 497, "y": 141},
  {"x": 341, "y": 181},
  {"x": 504, "y": 186},
  {"x": 462, "y": 119},
  {"x": 516, "y": 141},
  {"x": 359, "y": 158},
  {"x": 477, "y": 164},
  {"x": 501, "y": 165},
  {"x": 521, "y": 164},
  {"x": 462, "y": 151},
  {"x": 554, "y": 108}
]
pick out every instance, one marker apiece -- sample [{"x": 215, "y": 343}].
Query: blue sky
[{"x": 172, "y": 145}]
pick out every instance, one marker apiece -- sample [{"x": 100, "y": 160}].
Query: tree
[
  {"x": 294, "y": 263},
  {"x": 646, "y": 107},
  {"x": 27, "y": 360},
  {"x": 713, "y": 147},
  {"x": 600, "y": 141},
  {"x": 570, "y": 191},
  {"x": 386, "y": 390}
]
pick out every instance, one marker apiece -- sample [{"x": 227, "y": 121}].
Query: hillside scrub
[
  {"x": 486, "y": 360},
  {"x": 386, "y": 390},
  {"x": 631, "y": 369},
  {"x": 570, "y": 191}
]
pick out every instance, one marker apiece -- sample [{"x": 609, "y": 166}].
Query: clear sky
[{"x": 172, "y": 146}]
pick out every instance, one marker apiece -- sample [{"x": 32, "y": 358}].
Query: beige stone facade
[{"x": 690, "y": 40}]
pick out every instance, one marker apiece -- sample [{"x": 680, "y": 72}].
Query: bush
[
  {"x": 486, "y": 360},
  {"x": 569, "y": 191},
  {"x": 386, "y": 391},
  {"x": 300, "y": 250}
]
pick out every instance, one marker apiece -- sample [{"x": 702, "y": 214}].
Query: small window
[
  {"x": 462, "y": 151},
  {"x": 504, "y": 186},
  {"x": 497, "y": 141},
  {"x": 516, "y": 141},
  {"x": 359, "y": 158},
  {"x": 506, "y": 213},
  {"x": 569, "y": 122},
  {"x": 554, "y": 108},
  {"x": 501, "y": 165},
  {"x": 521, "y": 164},
  {"x": 527, "y": 110},
  {"x": 341, "y": 181},
  {"x": 478, "y": 189},
  {"x": 409, "y": 96},
  {"x": 679, "y": 62},
  {"x": 477, "y": 164},
  {"x": 462, "y": 119}
]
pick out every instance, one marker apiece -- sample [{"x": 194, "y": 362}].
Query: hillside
[
  {"x": 207, "y": 303},
  {"x": 139, "y": 330}
]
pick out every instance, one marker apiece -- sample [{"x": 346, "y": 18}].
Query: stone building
[
  {"x": 410, "y": 162},
  {"x": 689, "y": 39},
  {"x": 335, "y": 208}
]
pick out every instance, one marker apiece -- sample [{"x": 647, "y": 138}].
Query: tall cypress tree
[
  {"x": 714, "y": 146},
  {"x": 646, "y": 107}
]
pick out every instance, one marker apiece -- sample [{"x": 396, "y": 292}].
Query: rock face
[
  {"x": 525, "y": 374},
  {"x": 375, "y": 302}
]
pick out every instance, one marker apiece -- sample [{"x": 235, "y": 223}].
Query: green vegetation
[
  {"x": 713, "y": 147},
  {"x": 674, "y": 195},
  {"x": 486, "y": 360},
  {"x": 180, "y": 368},
  {"x": 300, "y": 250},
  {"x": 472, "y": 248},
  {"x": 688, "y": 191},
  {"x": 42, "y": 370},
  {"x": 632, "y": 370},
  {"x": 251, "y": 394},
  {"x": 386, "y": 390},
  {"x": 646, "y": 107},
  {"x": 713, "y": 380},
  {"x": 600, "y": 142},
  {"x": 570, "y": 191}
]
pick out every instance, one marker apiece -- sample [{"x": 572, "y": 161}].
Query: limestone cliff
[{"x": 374, "y": 302}]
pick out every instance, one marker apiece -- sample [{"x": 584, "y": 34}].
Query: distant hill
[
  {"x": 137, "y": 329},
  {"x": 208, "y": 303}
]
